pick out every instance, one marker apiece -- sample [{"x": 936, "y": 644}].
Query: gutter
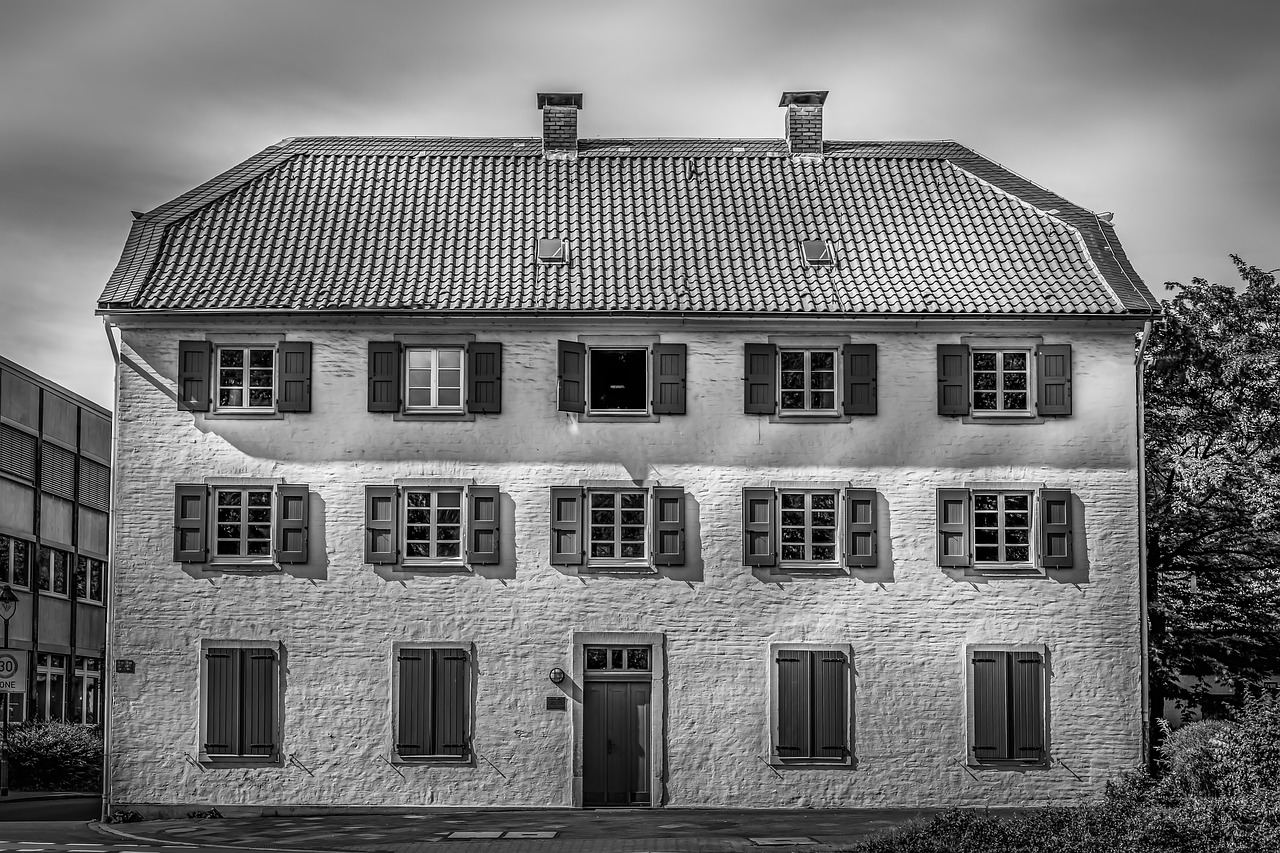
[
  {"x": 108, "y": 680},
  {"x": 1143, "y": 603}
]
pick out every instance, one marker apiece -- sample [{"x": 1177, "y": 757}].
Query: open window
[
  {"x": 553, "y": 250},
  {"x": 817, "y": 253},
  {"x": 621, "y": 380}
]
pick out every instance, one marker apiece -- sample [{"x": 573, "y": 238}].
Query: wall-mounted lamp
[{"x": 556, "y": 675}]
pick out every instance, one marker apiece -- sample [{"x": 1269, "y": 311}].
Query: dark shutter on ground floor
[
  {"x": 571, "y": 361},
  {"x": 830, "y": 727},
  {"x": 384, "y": 376},
  {"x": 241, "y": 703},
  {"x": 1008, "y": 706},
  {"x": 194, "y": 358},
  {"x": 860, "y": 523},
  {"x": 793, "y": 734},
  {"x": 953, "y": 379},
  {"x": 452, "y": 700},
  {"x": 295, "y": 376},
  {"x": 990, "y": 706},
  {"x": 433, "y": 703},
  {"x": 413, "y": 731},
  {"x": 1055, "y": 529},
  {"x": 190, "y": 520},
  {"x": 760, "y": 379},
  {"x": 1026, "y": 695},
  {"x": 859, "y": 379},
  {"x": 484, "y": 540},
  {"x": 291, "y": 523},
  {"x": 668, "y": 526},
  {"x": 759, "y": 527},
  {"x": 669, "y": 367},
  {"x": 381, "y": 525},
  {"x": 222, "y": 702},
  {"x": 1053, "y": 379},
  {"x": 259, "y": 707},
  {"x": 566, "y": 526},
  {"x": 484, "y": 377},
  {"x": 953, "y": 528}
]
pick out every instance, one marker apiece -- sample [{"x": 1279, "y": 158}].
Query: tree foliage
[{"x": 1213, "y": 482}]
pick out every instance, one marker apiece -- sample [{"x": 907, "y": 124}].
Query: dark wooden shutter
[
  {"x": 384, "y": 376},
  {"x": 571, "y": 358},
  {"x": 566, "y": 526},
  {"x": 222, "y": 702},
  {"x": 830, "y": 726},
  {"x": 954, "y": 514},
  {"x": 291, "y": 523},
  {"x": 484, "y": 538},
  {"x": 859, "y": 379},
  {"x": 1055, "y": 529},
  {"x": 669, "y": 369},
  {"x": 759, "y": 527},
  {"x": 413, "y": 730},
  {"x": 258, "y": 731},
  {"x": 759, "y": 379},
  {"x": 990, "y": 706},
  {"x": 194, "y": 358},
  {"x": 860, "y": 533},
  {"x": 1026, "y": 698},
  {"x": 794, "y": 736},
  {"x": 953, "y": 379},
  {"x": 484, "y": 378},
  {"x": 381, "y": 524},
  {"x": 190, "y": 521},
  {"x": 1053, "y": 379},
  {"x": 451, "y": 701},
  {"x": 295, "y": 376},
  {"x": 668, "y": 526}
]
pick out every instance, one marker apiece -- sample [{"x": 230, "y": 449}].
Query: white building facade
[{"x": 653, "y": 473}]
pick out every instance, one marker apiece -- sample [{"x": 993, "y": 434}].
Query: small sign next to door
[{"x": 556, "y": 703}]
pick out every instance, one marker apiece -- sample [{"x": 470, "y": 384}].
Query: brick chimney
[
  {"x": 560, "y": 124},
  {"x": 804, "y": 121}
]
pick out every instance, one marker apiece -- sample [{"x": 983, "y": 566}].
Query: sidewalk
[{"x": 537, "y": 831}]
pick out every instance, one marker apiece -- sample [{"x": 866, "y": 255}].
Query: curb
[
  {"x": 107, "y": 829},
  {"x": 171, "y": 842},
  {"x": 51, "y": 795}
]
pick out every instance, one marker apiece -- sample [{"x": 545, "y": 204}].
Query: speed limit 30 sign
[{"x": 13, "y": 671}]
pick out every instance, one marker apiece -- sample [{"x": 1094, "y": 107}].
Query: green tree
[{"x": 1213, "y": 484}]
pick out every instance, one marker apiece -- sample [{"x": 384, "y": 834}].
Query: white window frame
[
  {"x": 17, "y": 700},
  {"x": 837, "y": 543},
  {"x": 808, "y": 391},
  {"x": 618, "y": 561},
  {"x": 1000, "y": 351},
  {"x": 1031, "y": 528},
  {"x": 453, "y": 562},
  {"x": 242, "y": 559},
  {"x": 44, "y": 690},
  {"x": 647, "y": 359},
  {"x": 845, "y": 649},
  {"x": 68, "y": 568},
  {"x": 434, "y": 407},
  {"x": 87, "y": 677},
  {"x": 216, "y": 380},
  {"x": 6, "y": 570},
  {"x": 88, "y": 597}
]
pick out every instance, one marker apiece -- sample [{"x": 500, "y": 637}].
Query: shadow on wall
[{"x": 315, "y": 569}]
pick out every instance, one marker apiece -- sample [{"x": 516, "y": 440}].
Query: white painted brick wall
[{"x": 908, "y": 622}]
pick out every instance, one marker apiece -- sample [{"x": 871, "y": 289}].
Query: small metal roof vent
[
  {"x": 552, "y": 250},
  {"x": 817, "y": 253}
]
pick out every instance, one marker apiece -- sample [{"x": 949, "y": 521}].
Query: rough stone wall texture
[{"x": 907, "y": 620}]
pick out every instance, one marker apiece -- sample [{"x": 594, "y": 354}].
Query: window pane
[
  {"x": 823, "y": 380},
  {"x": 21, "y": 563},
  {"x": 792, "y": 360},
  {"x": 1018, "y": 553},
  {"x": 4, "y": 558},
  {"x": 792, "y": 380},
  {"x": 824, "y": 501},
  {"x": 602, "y": 549},
  {"x": 984, "y": 381},
  {"x": 1017, "y": 501},
  {"x": 822, "y": 360},
  {"x": 637, "y": 658},
  {"x": 615, "y": 658},
  {"x": 824, "y": 553},
  {"x": 1015, "y": 401},
  {"x": 1015, "y": 381},
  {"x": 987, "y": 501},
  {"x": 632, "y": 550},
  {"x": 986, "y": 554},
  {"x": 448, "y": 549},
  {"x": 231, "y": 378},
  {"x": 985, "y": 401},
  {"x": 82, "y": 577},
  {"x": 450, "y": 359},
  {"x": 602, "y": 498},
  {"x": 60, "y": 572},
  {"x": 793, "y": 552},
  {"x": 420, "y": 358},
  {"x": 984, "y": 361},
  {"x": 597, "y": 659},
  {"x": 823, "y": 400},
  {"x": 231, "y": 358},
  {"x": 633, "y": 499},
  {"x": 793, "y": 399},
  {"x": 230, "y": 398},
  {"x": 259, "y": 378},
  {"x": 1015, "y": 361},
  {"x": 96, "y": 574}
]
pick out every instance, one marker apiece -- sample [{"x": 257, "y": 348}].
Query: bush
[
  {"x": 1194, "y": 757},
  {"x": 55, "y": 757}
]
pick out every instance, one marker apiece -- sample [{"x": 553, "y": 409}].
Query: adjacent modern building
[
  {"x": 631, "y": 472},
  {"x": 55, "y": 483}
]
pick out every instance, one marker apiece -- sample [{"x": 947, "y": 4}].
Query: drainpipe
[
  {"x": 108, "y": 678},
  {"x": 1143, "y": 619}
]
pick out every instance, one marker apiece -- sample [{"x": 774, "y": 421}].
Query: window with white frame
[
  {"x": 1005, "y": 529},
  {"x": 86, "y": 691},
  {"x": 1001, "y": 527},
  {"x": 246, "y": 378},
  {"x": 251, "y": 524},
  {"x": 433, "y": 525},
  {"x": 618, "y": 525},
  {"x": 433, "y": 379},
  {"x": 807, "y": 381},
  {"x": 794, "y": 527},
  {"x": 242, "y": 523},
  {"x": 51, "y": 682},
  {"x": 90, "y": 579},
  {"x": 53, "y": 570},
  {"x": 15, "y": 561},
  {"x": 1001, "y": 381},
  {"x": 606, "y": 527},
  {"x": 809, "y": 527}
]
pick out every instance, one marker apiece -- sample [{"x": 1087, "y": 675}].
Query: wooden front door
[{"x": 615, "y": 750}]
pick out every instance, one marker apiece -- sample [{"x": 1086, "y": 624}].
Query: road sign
[{"x": 13, "y": 670}]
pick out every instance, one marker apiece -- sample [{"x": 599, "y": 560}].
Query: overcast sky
[{"x": 1163, "y": 112}]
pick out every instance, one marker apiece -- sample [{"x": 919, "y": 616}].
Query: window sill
[
  {"x": 618, "y": 569},
  {"x": 1007, "y": 764},
  {"x": 45, "y": 593},
  {"x": 239, "y": 568},
  {"x": 807, "y": 418},
  {"x": 434, "y": 568},
  {"x": 246, "y": 415},
  {"x": 1026, "y": 570},
  {"x": 233, "y": 761},
  {"x": 409, "y": 760},
  {"x": 997, "y": 418},
  {"x": 605, "y": 418},
  {"x": 427, "y": 417},
  {"x": 775, "y": 761}
]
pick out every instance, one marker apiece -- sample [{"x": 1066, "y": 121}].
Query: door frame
[{"x": 656, "y": 641}]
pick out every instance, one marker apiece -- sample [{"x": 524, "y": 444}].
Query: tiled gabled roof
[{"x": 703, "y": 225}]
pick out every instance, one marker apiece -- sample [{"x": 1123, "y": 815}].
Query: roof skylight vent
[
  {"x": 552, "y": 250},
  {"x": 817, "y": 253}
]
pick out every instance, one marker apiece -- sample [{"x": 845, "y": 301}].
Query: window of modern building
[
  {"x": 248, "y": 525},
  {"x": 810, "y": 707},
  {"x": 90, "y": 580},
  {"x": 799, "y": 527},
  {"x": 51, "y": 682},
  {"x": 435, "y": 379},
  {"x": 15, "y": 561},
  {"x": 810, "y": 381},
  {"x": 86, "y": 691},
  {"x": 240, "y": 702},
  {"x": 53, "y": 570},
  {"x": 605, "y": 527},
  {"x": 432, "y": 525},
  {"x": 1007, "y": 699},
  {"x": 432, "y": 702}
]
